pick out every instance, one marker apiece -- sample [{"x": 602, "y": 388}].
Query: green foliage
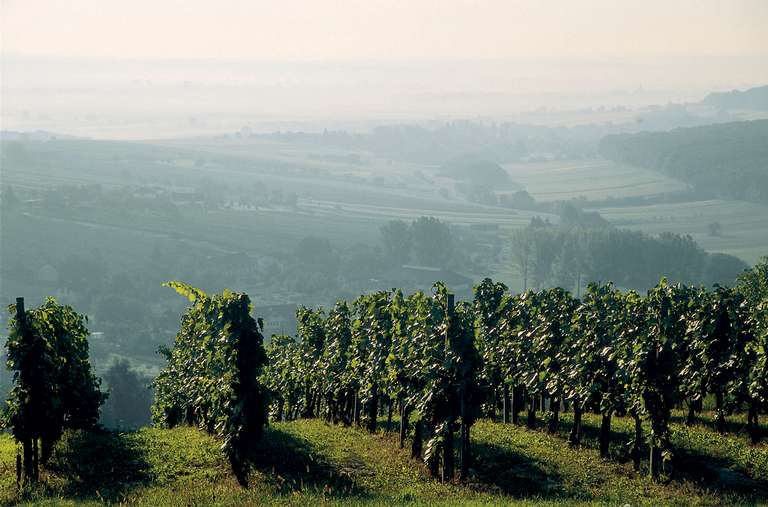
[
  {"x": 726, "y": 159},
  {"x": 282, "y": 377},
  {"x": 130, "y": 397},
  {"x": 432, "y": 241},
  {"x": 719, "y": 334},
  {"x": 547, "y": 255},
  {"x": 488, "y": 310},
  {"x": 212, "y": 376},
  {"x": 658, "y": 359},
  {"x": 595, "y": 376},
  {"x": 397, "y": 241},
  {"x": 54, "y": 388},
  {"x": 613, "y": 352}
]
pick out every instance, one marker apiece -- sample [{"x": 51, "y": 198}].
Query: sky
[
  {"x": 69, "y": 61},
  {"x": 394, "y": 29}
]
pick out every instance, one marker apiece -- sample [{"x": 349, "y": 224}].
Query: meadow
[{"x": 312, "y": 462}]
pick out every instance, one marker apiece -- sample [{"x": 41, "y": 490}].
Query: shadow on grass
[
  {"x": 718, "y": 474},
  {"x": 291, "y": 464},
  {"x": 715, "y": 473},
  {"x": 101, "y": 464},
  {"x": 590, "y": 438},
  {"x": 733, "y": 425},
  {"x": 498, "y": 469}
]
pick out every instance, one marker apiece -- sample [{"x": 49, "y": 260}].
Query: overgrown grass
[{"x": 310, "y": 462}]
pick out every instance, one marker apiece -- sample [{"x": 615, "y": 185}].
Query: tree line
[
  {"x": 723, "y": 160},
  {"x": 566, "y": 256}
]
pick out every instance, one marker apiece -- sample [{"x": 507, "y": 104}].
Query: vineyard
[
  {"x": 432, "y": 372},
  {"x": 442, "y": 366}
]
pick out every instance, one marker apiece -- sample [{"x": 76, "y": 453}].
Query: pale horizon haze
[{"x": 320, "y": 60}]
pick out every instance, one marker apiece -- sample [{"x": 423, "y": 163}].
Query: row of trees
[
  {"x": 54, "y": 388},
  {"x": 212, "y": 376},
  {"x": 549, "y": 256},
  {"x": 443, "y": 365},
  {"x": 426, "y": 240}
]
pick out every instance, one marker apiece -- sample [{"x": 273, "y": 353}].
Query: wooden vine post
[
  {"x": 448, "y": 464},
  {"x": 30, "y": 456}
]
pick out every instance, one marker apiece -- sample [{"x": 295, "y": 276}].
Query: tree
[
  {"x": 722, "y": 269},
  {"x": 518, "y": 200},
  {"x": 522, "y": 253},
  {"x": 130, "y": 397},
  {"x": 432, "y": 241},
  {"x": 397, "y": 241},
  {"x": 317, "y": 254}
]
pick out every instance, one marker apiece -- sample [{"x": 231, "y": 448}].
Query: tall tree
[
  {"x": 432, "y": 241},
  {"x": 521, "y": 249},
  {"x": 397, "y": 241}
]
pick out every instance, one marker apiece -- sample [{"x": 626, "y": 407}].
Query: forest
[{"x": 725, "y": 160}]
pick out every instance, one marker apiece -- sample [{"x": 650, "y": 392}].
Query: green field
[
  {"x": 310, "y": 462},
  {"x": 591, "y": 179},
  {"x": 744, "y": 224},
  {"x": 346, "y": 200}
]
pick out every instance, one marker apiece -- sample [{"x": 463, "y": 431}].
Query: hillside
[
  {"x": 726, "y": 160},
  {"x": 475, "y": 170},
  {"x": 753, "y": 98},
  {"x": 309, "y": 461}
]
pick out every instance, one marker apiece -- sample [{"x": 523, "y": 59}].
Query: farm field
[
  {"x": 341, "y": 195},
  {"x": 309, "y": 462},
  {"x": 592, "y": 179},
  {"x": 346, "y": 195},
  {"x": 744, "y": 224}
]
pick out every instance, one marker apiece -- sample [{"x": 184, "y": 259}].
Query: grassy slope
[{"x": 306, "y": 462}]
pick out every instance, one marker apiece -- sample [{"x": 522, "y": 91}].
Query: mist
[{"x": 221, "y": 215}]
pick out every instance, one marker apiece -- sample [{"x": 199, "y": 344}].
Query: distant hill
[
  {"x": 753, "y": 98},
  {"x": 475, "y": 170},
  {"x": 36, "y": 135},
  {"x": 727, "y": 160}
]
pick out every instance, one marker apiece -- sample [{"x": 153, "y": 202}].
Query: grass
[
  {"x": 311, "y": 462},
  {"x": 593, "y": 179},
  {"x": 744, "y": 225}
]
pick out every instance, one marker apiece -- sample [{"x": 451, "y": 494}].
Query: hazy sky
[
  {"x": 133, "y": 68},
  {"x": 394, "y": 29}
]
